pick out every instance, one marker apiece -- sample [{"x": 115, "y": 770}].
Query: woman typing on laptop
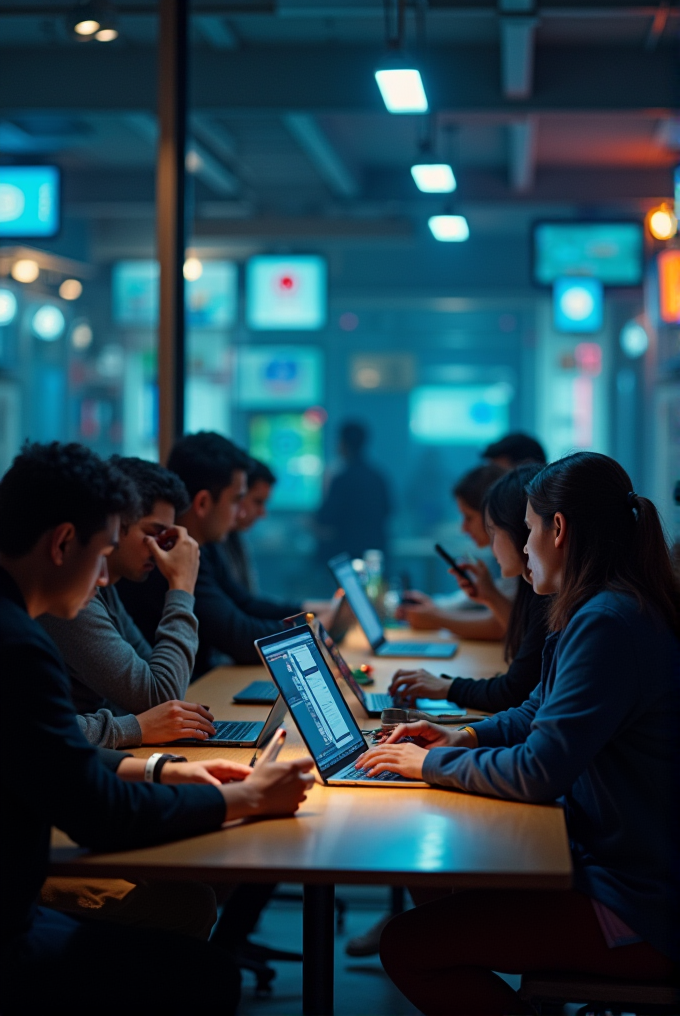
[{"x": 599, "y": 734}]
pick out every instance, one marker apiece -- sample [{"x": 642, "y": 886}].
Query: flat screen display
[
  {"x": 460, "y": 414},
  {"x": 277, "y": 377},
  {"x": 286, "y": 293},
  {"x": 29, "y": 201},
  {"x": 292, "y": 446},
  {"x": 211, "y": 300},
  {"x": 609, "y": 251}
]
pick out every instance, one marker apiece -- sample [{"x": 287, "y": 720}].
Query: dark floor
[{"x": 361, "y": 986}]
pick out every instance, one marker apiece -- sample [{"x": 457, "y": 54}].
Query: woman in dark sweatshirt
[
  {"x": 503, "y": 511},
  {"x": 599, "y": 735}
]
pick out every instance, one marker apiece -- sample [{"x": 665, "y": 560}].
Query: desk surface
[{"x": 352, "y": 834}]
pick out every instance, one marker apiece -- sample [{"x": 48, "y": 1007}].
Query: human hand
[
  {"x": 411, "y": 598},
  {"x": 406, "y": 759},
  {"x": 424, "y": 733},
  {"x": 480, "y": 587},
  {"x": 177, "y": 557},
  {"x": 175, "y": 719},
  {"x": 411, "y": 684},
  {"x": 423, "y": 617},
  {"x": 272, "y": 788},
  {"x": 215, "y": 771}
]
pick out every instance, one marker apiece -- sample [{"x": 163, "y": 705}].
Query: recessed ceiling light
[
  {"x": 86, "y": 27},
  {"x": 434, "y": 177},
  {"x": 449, "y": 228},
  {"x": 70, "y": 289},
  {"x": 25, "y": 270},
  {"x": 402, "y": 90},
  {"x": 106, "y": 35}
]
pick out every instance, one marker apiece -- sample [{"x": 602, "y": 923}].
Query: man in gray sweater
[{"x": 127, "y": 692}]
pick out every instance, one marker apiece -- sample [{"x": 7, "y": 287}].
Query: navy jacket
[
  {"x": 52, "y": 776},
  {"x": 599, "y": 734},
  {"x": 230, "y": 618}
]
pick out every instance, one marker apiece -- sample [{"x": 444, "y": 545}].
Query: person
[
  {"x": 353, "y": 516},
  {"x": 230, "y": 618},
  {"x": 126, "y": 691},
  {"x": 503, "y": 509},
  {"x": 60, "y": 508},
  {"x": 599, "y": 734},
  {"x": 515, "y": 450},
  {"x": 422, "y": 612},
  {"x": 260, "y": 480}
]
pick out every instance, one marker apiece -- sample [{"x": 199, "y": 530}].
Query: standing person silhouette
[{"x": 353, "y": 516}]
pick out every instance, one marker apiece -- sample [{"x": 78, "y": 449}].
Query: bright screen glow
[
  {"x": 29, "y": 201},
  {"x": 402, "y": 90},
  {"x": 578, "y": 305},
  {"x": 460, "y": 414},
  {"x": 434, "y": 178},
  {"x": 449, "y": 228},
  {"x": 292, "y": 446},
  {"x": 634, "y": 339},
  {"x": 48, "y": 322},
  {"x": 609, "y": 251},
  {"x": 8, "y": 306},
  {"x": 677, "y": 192},
  {"x": 211, "y": 299},
  {"x": 286, "y": 293},
  {"x": 669, "y": 286},
  {"x": 275, "y": 377}
]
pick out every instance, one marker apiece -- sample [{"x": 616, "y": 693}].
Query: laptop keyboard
[
  {"x": 351, "y": 773},
  {"x": 379, "y": 700},
  {"x": 234, "y": 730}
]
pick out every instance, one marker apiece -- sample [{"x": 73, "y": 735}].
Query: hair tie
[{"x": 633, "y": 502}]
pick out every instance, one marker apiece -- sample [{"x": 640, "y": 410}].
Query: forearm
[
  {"x": 501, "y": 607},
  {"x": 104, "y": 730},
  {"x": 484, "y": 628}
]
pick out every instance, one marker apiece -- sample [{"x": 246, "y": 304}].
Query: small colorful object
[{"x": 363, "y": 674}]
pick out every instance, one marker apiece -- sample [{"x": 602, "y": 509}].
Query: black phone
[
  {"x": 405, "y": 600},
  {"x": 452, "y": 563}
]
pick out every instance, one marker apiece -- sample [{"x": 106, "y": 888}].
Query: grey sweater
[{"x": 114, "y": 671}]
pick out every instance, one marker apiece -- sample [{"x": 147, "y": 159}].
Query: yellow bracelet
[{"x": 470, "y": 730}]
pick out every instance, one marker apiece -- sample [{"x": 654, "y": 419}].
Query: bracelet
[
  {"x": 154, "y": 766},
  {"x": 470, "y": 730}
]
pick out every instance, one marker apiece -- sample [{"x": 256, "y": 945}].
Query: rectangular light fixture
[
  {"x": 402, "y": 90},
  {"x": 434, "y": 178},
  {"x": 449, "y": 228}
]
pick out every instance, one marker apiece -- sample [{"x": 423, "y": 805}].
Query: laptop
[
  {"x": 241, "y": 733},
  {"x": 257, "y": 693},
  {"x": 319, "y": 711},
  {"x": 345, "y": 576},
  {"x": 373, "y": 702}
]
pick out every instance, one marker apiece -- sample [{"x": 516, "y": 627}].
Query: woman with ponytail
[{"x": 599, "y": 735}]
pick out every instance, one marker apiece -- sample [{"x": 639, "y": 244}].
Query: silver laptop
[
  {"x": 319, "y": 711},
  {"x": 241, "y": 733},
  {"x": 365, "y": 613}
]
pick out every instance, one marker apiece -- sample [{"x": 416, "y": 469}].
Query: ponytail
[{"x": 615, "y": 537}]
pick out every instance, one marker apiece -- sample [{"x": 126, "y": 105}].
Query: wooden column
[{"x": 170, "y": 228}]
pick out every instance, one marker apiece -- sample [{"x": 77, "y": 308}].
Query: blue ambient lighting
[{"x": 578, "y": 305}]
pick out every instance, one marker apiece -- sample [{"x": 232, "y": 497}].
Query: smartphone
[
  {"x": 271, "y": 751},
  {"x": 295, "y": 620},
  {"x": 451, "y": 563}
]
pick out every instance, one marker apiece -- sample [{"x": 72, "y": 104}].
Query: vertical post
[
  {"x": 170, "y": 228},
  {"x": 318, "y": 914}
]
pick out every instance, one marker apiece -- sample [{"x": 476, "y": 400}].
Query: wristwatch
[{"x": 154, "y": 766}]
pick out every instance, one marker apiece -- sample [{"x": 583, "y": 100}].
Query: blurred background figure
[
  {"x": 354, "y": 513},
  {"x": 515, "y": 450},
  {"x": 253, "y": 507}
]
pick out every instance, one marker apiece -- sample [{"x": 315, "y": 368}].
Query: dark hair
[
  {"x": 153, "y": 483},
  {"x": 519, "y": 448},
  {"x": 48, "y": 484},
  {"x": 505, "y": 505},
  {"x": 615, "y": 538},
  {"x": 354, "y": 436},
  {"x": 472, "y": 487},
  {"x": 259, "y": 472},
  {"x": 206, "y": 461}
]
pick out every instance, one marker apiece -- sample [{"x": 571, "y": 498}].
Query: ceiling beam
[
  {"x": 522, "y": 154},
  {"x": 517, "y": 55},
  {"x": 339, "y": 78},
  {"x": 321, "y": 153}
]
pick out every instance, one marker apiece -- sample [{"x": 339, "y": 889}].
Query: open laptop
[
  {"x": 241, "y": 733},
  {"x": 373, "y": 702},
  {"x": 319, "y": 711},
  {"x": 257, "y": 693},
  {"x": 365, "y": 613}
]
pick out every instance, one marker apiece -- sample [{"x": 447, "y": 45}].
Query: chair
[{"x": 602, "y": 994}]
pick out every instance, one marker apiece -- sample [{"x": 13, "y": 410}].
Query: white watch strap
[{"x": 150, "y": 766}]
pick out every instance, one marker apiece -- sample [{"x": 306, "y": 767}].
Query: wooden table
[{"x": 351, "y": 835}]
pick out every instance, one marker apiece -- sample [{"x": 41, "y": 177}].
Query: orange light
[
  {"x": 669, "y": 286},
  {"x": 662, "y": 223}
]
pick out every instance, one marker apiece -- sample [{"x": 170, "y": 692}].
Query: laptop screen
[
  {"x": 312, "y": 696},
  {"x": 358, "y": 600},
  {"x": 338, "y": 660}
]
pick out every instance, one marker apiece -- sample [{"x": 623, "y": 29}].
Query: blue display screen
[
  {"x": 286, "y": 293},
  {"x": 609, "y": 251},
  {"x": 29, "y": 201}
]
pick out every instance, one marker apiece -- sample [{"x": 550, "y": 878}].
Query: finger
[
  {"x": 228, "y": 770},
  {"x": 195, "y": 732},
  {"x": 302, "y": 765},
  {"x": 156, "y": 552},
  {"x": 196, "y": 707}
]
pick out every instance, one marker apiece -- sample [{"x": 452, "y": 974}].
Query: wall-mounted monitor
[
  {"x": 29, "y": 201},
  {"x": 276, "y": 377},
  {"x": 676, "y": 189},
  {"x": 609, "y": 251},
  {"x": 292, "y": 446},
  {"x": 286, "y": 293},
  {"x": 211, "y": 299},
  {"x": 460, "y": 414}
]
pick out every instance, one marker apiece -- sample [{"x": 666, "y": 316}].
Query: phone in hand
[
  {"x": 271, "y": 751},
  {"x": 444, "y": 554}
]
